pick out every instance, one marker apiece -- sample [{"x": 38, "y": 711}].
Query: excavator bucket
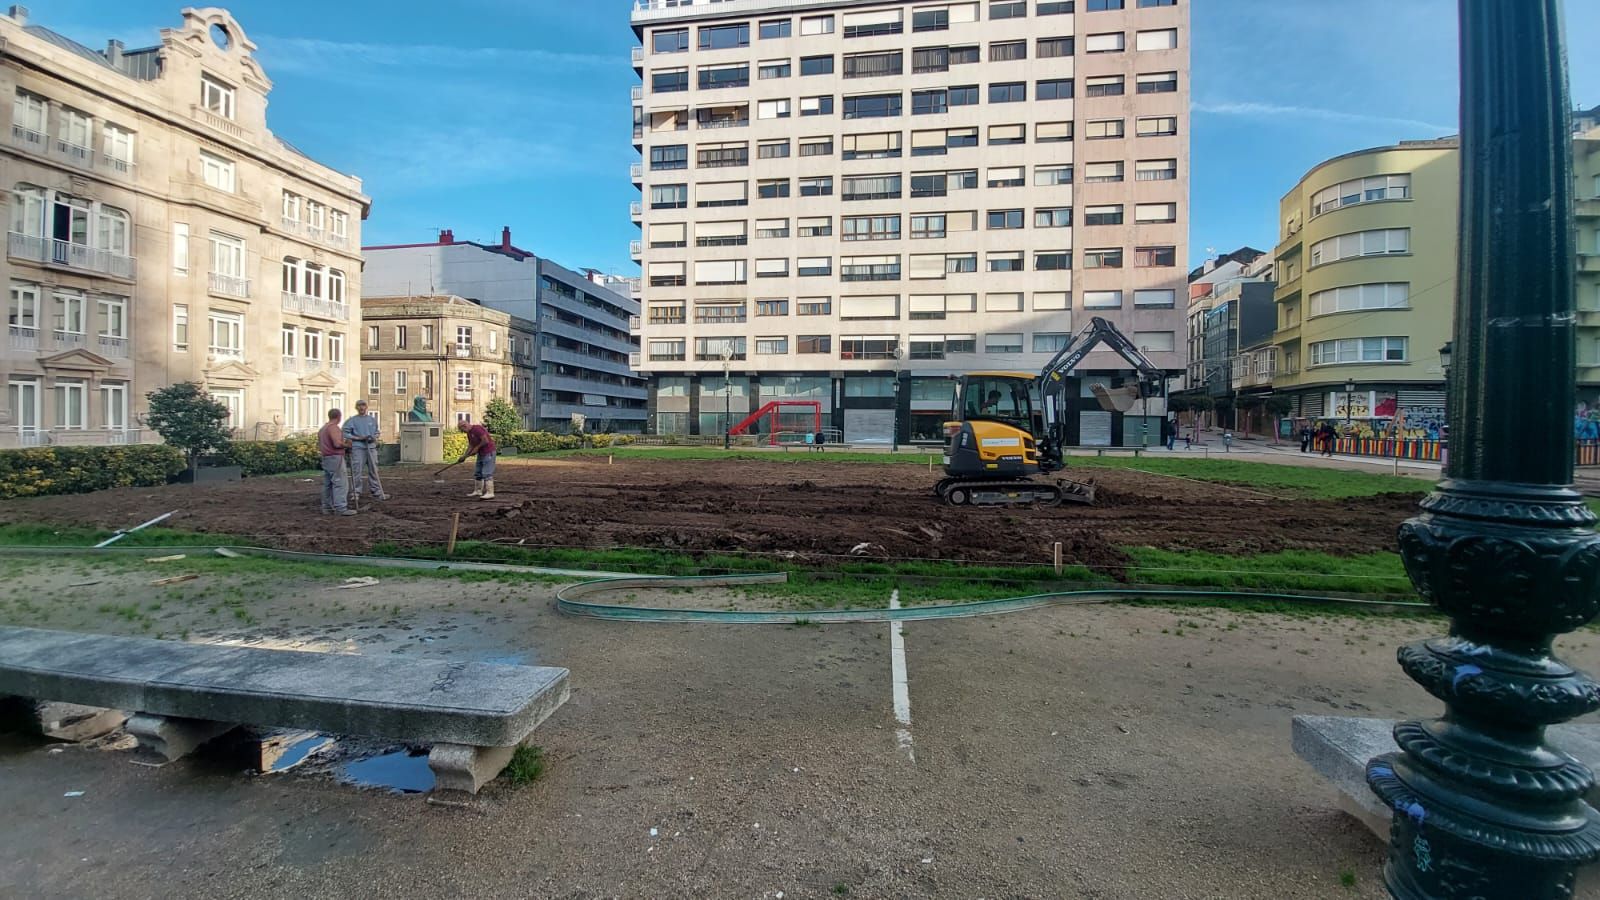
[
  {"x": 1115, "y": 399},
  {"x": 1076, "y": 491}
]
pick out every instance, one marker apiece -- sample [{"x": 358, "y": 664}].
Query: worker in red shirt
[
  {"x": 479, "y": 443},
  {"x": 331, "y": 445}
]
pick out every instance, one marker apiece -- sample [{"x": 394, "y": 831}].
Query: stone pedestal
[
  {"x": 422, "y": 442},
  {"x": 164, "y": 739}
]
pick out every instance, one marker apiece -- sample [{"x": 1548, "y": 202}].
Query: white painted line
[{"x": 902, "y": 688}]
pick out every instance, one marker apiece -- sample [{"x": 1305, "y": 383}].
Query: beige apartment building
[
  {"x": 847, "y": 201},
  {"x": 452, "y": 352},
  {"x": 160, "y": 232}
]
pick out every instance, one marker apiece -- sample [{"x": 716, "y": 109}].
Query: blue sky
[{"x": 474, "y": 114}]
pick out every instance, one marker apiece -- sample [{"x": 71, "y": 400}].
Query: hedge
[
  {"x": 455, "y": 443},
  {"x": 43, "y": 471},
  {"x": 270, "y": 457}
]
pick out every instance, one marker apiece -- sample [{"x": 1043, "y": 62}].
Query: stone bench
[
  {"x": 1338, "y": 747},
  {"x": 181, "y": 695}
]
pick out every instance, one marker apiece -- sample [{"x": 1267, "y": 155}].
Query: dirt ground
[
  {"x": 1117, "y": 753},
  {"x": 816, "y": 510}
]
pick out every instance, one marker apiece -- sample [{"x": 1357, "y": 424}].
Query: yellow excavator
[{"x": 999, "y": 444}]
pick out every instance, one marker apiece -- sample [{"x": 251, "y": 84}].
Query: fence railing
[{"x": 1588, "y": 453}]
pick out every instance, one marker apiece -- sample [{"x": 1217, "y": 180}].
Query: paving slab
[
  {"x": 425, "y": 701},
  {"x": 1338, "y": 747}
]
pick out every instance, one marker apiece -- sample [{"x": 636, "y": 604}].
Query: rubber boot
[
  {"x": 488, "y": 490},
  {"x": 477, "y": 489}
]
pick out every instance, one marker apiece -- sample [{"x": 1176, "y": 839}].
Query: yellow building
[{"x": 1366, "y": 270}]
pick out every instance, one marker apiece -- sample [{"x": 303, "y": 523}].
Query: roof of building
[
  {"x": 137, "y": 67},
  {"x": 1244, "y": 256}
]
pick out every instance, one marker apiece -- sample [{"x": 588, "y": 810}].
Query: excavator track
[{"x": 994, "y": 492}]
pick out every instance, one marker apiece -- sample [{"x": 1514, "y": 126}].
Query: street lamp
[
  {"x": 1349, "y": 399},
  {"x": 1483, "y": 805},
  {"x": 727, "y": 399},
  {"x": 894, "y": 426}
]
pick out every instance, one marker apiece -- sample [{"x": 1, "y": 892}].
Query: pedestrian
[
  {"x": 331, "y": 444},
  {"x": 1329, "y": 438},
  {"x": 1305, "y": 437},
  {"x": 1170, "y": 426},
  {"x": 480, "y": 444},
  {"x": 361, "y": 432}
]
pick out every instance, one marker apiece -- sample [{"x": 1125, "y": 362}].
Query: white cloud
[{"x": 1255, "y": 110}]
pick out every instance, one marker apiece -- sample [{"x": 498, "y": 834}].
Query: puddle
[
  {"x": 296, "y": 753},
  {"x": 403, "y": 772}
]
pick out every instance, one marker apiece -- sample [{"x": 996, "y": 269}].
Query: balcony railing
[
  {"x": 636, "y": 172},
  {"x": 29, "y": 139},
  {"x": 475, "y": 351},
  {"x": 64, "y": 253},
  {"x": 463, "y": 394},
  {"x": 636, "y": 92},
  {"x": 635, "y": 249},
  {"x": 229, "y": 285},
  {"x": 113, "y": 347},
  {"x": 314, "y": 232},
  {"x": 23, "y": 337},
  {"x": 75, "y": 153},
  {"x": 633, "y": 324},
  {"x": 314, "y": 306},
  {"x": 290, "y": 225},
  {"x": 121, "y": 167},
  {"x": 220, "y": 123},
  {"x": 636, "y": 210},
  {"x": 67, "y": 340},
  {"x": 638, "y": 56}
]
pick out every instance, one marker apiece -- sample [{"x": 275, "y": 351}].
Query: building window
[
  {"x": 816, "y": 65},
  {"x": 1002, "y": 343},
  {"x": 669, "y": 81},
  {"x": 71, "y": 395},
  {"x": 714, "y": 77},
  {"x": 722, "y": 156},
  {"x": 872, "y": 187},
  {"x": 1155, "y": 341},
  {"x": 1005, "y": 51},
  {"x": 1053, "y": 89},
  {"x": 1358, "y": 297},
  {"x": 1052, "y": 132},
  {"x": 180, "y": 327},
  {"x": 724, "y": 37},
  {"x": 1113, "y": 42},
  {"x": 773, "y": 68},
  {"x": 815, "y": 306},
  {"x": 816, "y": 106},
  {"x": 1154, "y": 257},
  {"x": 1000, "y": 219},
  {"x": 1155, "y": 299},
  {"x": 1007, "y": 176},
  {"x": 1054, "y": 47},
  {"x": 669, "y": 196},
  {"x": 216, "y": 96},
  {"x": 1157, "y": 126},
  {"x": 1104, "y": 86},
  {"x": 1157, "y": 83},
  {"x": 814, "y": 343},
  {"x": 1049, "y": 341},
  {"x": 874, "y": 23},
  {"x": 1008, "y": 9},
  {"x": 1158, "y": 39},
  {"x": 870, "y": 228},
  {"x": 1094, "y": 173},
  {"x": 1002, "y": 303},
  {"x": 814, "y": 25},
  {"x": 1005, "y": 261},
  {"x": 1359, "y": 350},
  {"x": 1052, "y": 301},
  {"x": 772, "y": 188},
  {"x": 776, "y": 28},
  {"x": 1383, "y": 242},
  {"x": 772, "y": 307},
  {"x": 1102, "y": 299},
  {"x": 1361, "y": 190},
  {"x": 227, "y": 335},
  {"x": 671, "y": 156},
  {"x": 1155, "y": 170},
  {"x": 118, "y": 147},
  {"x": 1052, "y": 260},
  {"x": 1103, "y": 258},
  {"x": 1103, "y": 129},
  {"x": 1008, "y": 92},
  {"x": 883, "y": 145},
  {"x": 1007, "y": 134},
  {"x": 872, "y": 106},
  {"x": 675, "y": 40},
  {"x": 816, "y": 146},
  {"x": 217, "y": 172},
  {"x": 463, "y": 384},
  {"x": 28, "y": 117},
  {"x": 873, "y": 65},
  {"x": 1054, "y": 7},
  {"x": 1053, "y": 217},
  {"x": 1049, "y": 176},
  {"x": 815, "y": 226},
  {"x": 1110, "y": 214}
]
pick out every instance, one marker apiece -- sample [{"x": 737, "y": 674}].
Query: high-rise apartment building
[
  {"x": 849, "y": 200},
  {"x": 160, "y": 232}
]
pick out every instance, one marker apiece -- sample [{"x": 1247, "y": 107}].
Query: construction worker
[
  {"x": 480, "y": 444},
  {"x": 361, "y": 431},
  {"x": 331, "y": 444}
]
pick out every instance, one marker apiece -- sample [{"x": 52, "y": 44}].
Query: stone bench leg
[
  {"x": 61, "y": 721},
  {"x": 460, "y": 770},
  {"x": 164, "y": 739}
]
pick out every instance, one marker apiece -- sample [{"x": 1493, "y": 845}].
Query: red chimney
[
  {"x": 447, "y": 236},
  {"x": 505, "y": 238}
]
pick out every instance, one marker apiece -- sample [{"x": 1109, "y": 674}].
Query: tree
[
  {"x": 188, "y": 418},
  {"x": 1277, "y": 406},
  {"x": 1178, "y": 403},
  {"x": 500, "y": 417}
]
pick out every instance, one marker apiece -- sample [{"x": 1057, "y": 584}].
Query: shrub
[
  {"x": 455, "y": 444},
  {"x": 272, "y": 457},
  {"x": 500, "y": 417},
  {"x": 42, "y": 471},
  {"x": 188, "y": 418}
]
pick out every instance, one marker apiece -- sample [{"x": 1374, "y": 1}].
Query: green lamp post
[{"x": 1484, "y": 807}]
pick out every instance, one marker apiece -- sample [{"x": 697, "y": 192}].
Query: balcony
[
  {"x": 634, "y": 360},
  {"x": 635, "y": 250},
  {"x": 1589, "y": 262},
  {"x": 463, "y": 394},
  {"x": 77, "y": 154},
  {"x": 216, "y": 123},
  {"x": 28, "y": 436},
  {"x": 633, "y": 324},
  {"x": 36, "y": 248},
  {"x": 636, "y": 172},
  {"x": 636, "y": 93},
  {"x": 638, "y": 57},
  {"x": 290, "y": 225},
  {"x": 1587, "y": 209},
  {"x": 315, "y": 307},
  {"x": 473, "y": 351},
  {"x": 315, "y": 232},
  {"x": 229, "y": 285},
  {"x": 636, "y": 211},
  {"x": 120, "y": 166},
  {"x": 28, "y": 139},
  {"x": 68, "y": 340},
  {"x": 113, "y": 347}
]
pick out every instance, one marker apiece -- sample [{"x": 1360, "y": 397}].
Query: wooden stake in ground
[
  {"x": 455, "y": 526},
  {"x": 1057, "y": 555}
]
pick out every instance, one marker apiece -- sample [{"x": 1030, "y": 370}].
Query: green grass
[
  {"x": 527, "y": 764},
  {"x": 1291, "y": 571},
  {"x": 1280, "y": 480}
]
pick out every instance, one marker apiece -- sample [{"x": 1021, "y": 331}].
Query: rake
[{"x": 438, "y": 476}]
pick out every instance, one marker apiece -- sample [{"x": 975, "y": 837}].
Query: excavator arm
[{"x": 1052, "y": 382}]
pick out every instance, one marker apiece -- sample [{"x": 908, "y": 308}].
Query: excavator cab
[{"x": 992, "y": 428}]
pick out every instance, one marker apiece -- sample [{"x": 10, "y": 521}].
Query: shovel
[{"x": 438, "y": 476}]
